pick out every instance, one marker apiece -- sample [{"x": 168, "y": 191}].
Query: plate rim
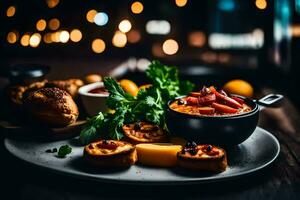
[{"x": 88, "y": 176}]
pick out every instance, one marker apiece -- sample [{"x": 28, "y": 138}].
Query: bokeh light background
[{"x": 166, "y": 29}]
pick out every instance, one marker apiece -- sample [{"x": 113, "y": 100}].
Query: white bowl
[{"x": 93, "y": 103}]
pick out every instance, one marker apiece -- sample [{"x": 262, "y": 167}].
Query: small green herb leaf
[{"x": 64, "y": 150}]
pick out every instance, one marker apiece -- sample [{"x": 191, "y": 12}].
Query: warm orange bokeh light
[
  {"x": 52, "y": 3},
  {"x": 41, "y": 25},
  {"x": 25, "y": 40},
  {"x": 47, "y": 38},
  {"x": 11, "y": 11},
  {"x": 54, "y": 24},
  {"x": 119, "y": 39},
  {"x": 197, "y": 39},
  {"x": 295, "y": 30},
  {"x": 75, "y": 35},
  {"x": 98, "y": 46},
  {"x": 181, "y": 3},
  {"x": 12, "y": 37},
  {"x": 261, "y": 4},
  {"x": 35, "y": 40},
  {"x": 137, "y": 7},
  {"x": 91, "y": 15},
  {"x": 133, "y": 36},
  {"x": 55, "y": 36},
  {"x": 170, "y": 47}
]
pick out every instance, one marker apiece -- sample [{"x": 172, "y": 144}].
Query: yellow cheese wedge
[{"x": 158, "y": 154}]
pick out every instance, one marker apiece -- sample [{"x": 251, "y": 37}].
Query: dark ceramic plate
[{"x": 257, "y": 152}]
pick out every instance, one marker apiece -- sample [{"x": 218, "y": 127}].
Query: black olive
[
  {"x": 209, "y": 148},
  {"x": 91, "y": 146},
  {"x": 188, "y": 144},
  {"x": 191, "y": 144},
  {"x": 181, "y": 102},
  {"x": 137, "y": 126},
  {"x": 194, "y": 144},
  {"x": 48, "y": 151},
  {"x": 193, "y": 151},
  {"x": 54, "y": 150}
]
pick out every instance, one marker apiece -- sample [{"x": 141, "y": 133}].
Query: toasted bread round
[
  {"x": 110, "y": 153},
  {"x": 144, "y": 132},
  {"x": 203, "y": 158}
]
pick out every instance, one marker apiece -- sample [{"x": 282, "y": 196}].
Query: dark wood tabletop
[{"x": 281, "y": 180}]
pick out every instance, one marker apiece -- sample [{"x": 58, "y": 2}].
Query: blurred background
[{"x": 257, "y": 40}]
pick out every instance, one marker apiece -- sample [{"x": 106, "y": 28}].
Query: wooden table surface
[{"x": 281, "y": 180}]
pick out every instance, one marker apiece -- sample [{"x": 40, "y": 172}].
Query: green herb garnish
[
  {"x": 149, "y": 105},
  {"x": 64, "y": 150}
]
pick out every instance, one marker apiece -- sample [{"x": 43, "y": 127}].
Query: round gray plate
[{"x": 257, "y": 152}]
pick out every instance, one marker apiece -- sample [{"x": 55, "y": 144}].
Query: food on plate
[
  {"x": 149, "y": 105},
  {"x": 210, "y": 102},
  {"x": 69, "y": 85},
  {"x": 99, "y": 90},
  {"x": 129, "y": 87},
  {"x": 158, "y": 154},
  {"x": 110, "y": 153},
  {"x": 52, "y": 106},
  {"x": 144, "y": 132},
  {"x": 204, "y": 157},
  {"x": 64, "y": 150},
  {"x": 239, "y": 87},
  {"x": 93, "y": 78},
  {"x": 17, "y": 93}
]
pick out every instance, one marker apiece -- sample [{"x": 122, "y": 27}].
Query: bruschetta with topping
[
  {"x": 144, "y": 132},
  {"x": 110, "y": 153},
  {"x": 203, "y": 157}
]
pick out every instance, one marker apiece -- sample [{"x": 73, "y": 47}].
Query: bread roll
[
  {"x": 52, "y": 106},
  {"x": 69, "y": 85},
  {"x": 93, "y": 78}
]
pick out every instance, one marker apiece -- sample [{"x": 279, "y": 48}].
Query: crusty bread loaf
[
  {"x": 51, "y": 106},
  {"x": 110, "y": 153},
  {"x": 203, "y": 158}
]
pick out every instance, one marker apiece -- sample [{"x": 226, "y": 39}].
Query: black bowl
[
  {"x": 26, "y": 73},
  {"x": 219, "y": 130}
]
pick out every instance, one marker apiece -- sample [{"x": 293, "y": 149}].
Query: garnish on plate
[
  {"x": 64, "y": 150},
  {"x": 149, "y": 105}
]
